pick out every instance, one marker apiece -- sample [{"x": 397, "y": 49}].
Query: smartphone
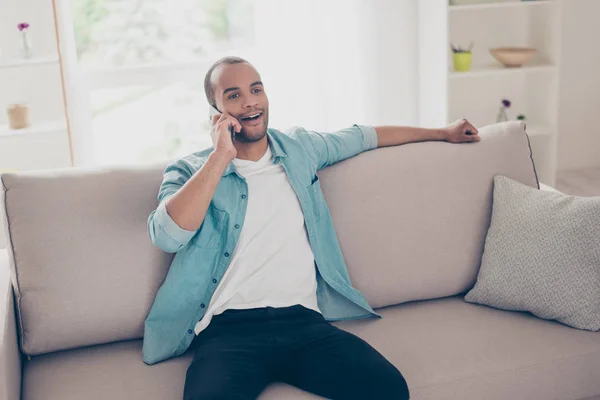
[{"x": 214, "y": 111}]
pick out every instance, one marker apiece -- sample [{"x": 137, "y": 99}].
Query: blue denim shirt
[{"x": 204, "y": 255}]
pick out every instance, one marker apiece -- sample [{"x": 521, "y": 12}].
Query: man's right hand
[
  {"x": 188, "y": 206},
  {"x": 221, "y": 137}
]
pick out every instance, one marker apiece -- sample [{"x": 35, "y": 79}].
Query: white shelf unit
[
  {"x": 497, "y": 69},
  {"x": 498, "y": 4},
  {"x": 37, "y": 82},
  {"x": 17, "y": 62},
  {"x": 46, "y": 127},
  {"x": 447, "y": 95}
]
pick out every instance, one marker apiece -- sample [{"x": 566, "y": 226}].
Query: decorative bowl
[{"x": 513, "y": 57}]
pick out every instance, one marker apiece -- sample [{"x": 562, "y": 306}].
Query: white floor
[{"x": 585, "y": 182}]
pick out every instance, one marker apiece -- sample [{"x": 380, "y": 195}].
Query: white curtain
[
  {"x": 309, "y": 57},
  {"x": 346, "y": 61}
]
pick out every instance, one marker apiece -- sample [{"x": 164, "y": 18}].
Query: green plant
[{"x": 461, "y": 50}]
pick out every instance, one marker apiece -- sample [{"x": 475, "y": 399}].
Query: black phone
[{"x": 215, "y": 111}]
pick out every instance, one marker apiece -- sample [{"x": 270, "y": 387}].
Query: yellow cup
[{"x": 462, "y": 61}]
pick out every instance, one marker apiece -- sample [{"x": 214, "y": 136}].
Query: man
[{"x": 258, "y": 271}]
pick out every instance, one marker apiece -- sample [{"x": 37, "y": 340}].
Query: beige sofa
[{"x": 411, "y": 221}]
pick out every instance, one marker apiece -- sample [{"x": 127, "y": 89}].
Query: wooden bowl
[{"x": 513, "y": 57}]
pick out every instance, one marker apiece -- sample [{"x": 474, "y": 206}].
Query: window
[
  {"x": 134, "y": 69},
  {"x": 142, "y": 64},
  {"x": 118, "y": 33},
  {"x": 137, "y": 124}
]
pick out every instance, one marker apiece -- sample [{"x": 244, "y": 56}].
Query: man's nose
[{"x": 249, "y": 102}]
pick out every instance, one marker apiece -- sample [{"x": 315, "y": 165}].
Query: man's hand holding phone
[{"x": 221, "y": 134}]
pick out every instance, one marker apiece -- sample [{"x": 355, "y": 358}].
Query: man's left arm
[
  {"x": 459, "y": 132},
  {"x": 330, "y": 148}
]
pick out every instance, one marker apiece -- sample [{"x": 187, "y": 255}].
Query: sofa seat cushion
[{"x": 446, "y": 349}]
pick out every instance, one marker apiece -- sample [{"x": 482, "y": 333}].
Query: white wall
[
  {"x": 390, "y": 44},
  {"x": 579, "y": 118},
  {"x": 362, "y": 55}
]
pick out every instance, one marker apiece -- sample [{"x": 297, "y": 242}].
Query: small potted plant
[
  {"x": 462, "y": 58},
  {"x": 26, "y": 48}
]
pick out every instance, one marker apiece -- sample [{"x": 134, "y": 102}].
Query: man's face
[{"x": 240, "y": 92}]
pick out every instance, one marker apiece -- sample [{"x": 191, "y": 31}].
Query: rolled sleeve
[
  {"x": 371, "y": 140},
  {"x": 330, "y": 148},
  {"x": 165, "y": 233}
]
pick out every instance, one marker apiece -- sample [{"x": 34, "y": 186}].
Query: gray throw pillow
[{"x": 542, "y": 255}]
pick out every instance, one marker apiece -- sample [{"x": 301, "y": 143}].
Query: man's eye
[
  {"x": 233, "y": 96},
  {"x": 257, "y": 90}
]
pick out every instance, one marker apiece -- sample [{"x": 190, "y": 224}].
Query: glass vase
[
  {"x": 502, "y": 116},
  {"x": 26, "y": 47}
]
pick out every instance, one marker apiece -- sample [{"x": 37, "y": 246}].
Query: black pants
[{"x": 242, "y": 351}]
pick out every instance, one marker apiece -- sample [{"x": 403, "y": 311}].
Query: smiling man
[{"x": 258, "y": 272}]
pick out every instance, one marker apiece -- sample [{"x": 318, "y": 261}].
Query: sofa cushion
[
  {"x": 446, "y": 349},
  {"x": 411, "y": 221},
  {"x": 542, "y": 254},
  {"x": 84, "y": 268}
]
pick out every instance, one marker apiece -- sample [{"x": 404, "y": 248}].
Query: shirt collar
[{"x": 276, "y": 150}]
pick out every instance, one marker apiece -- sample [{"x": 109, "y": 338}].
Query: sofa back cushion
[
  {"x": 85, "y": 271},
  {"x": 411, "y": 221}
]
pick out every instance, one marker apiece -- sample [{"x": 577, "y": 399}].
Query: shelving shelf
[
  {"x": 504, "y": 4},
  {"x": 40, "y": 128},
  {"x": 12, "y": 63},
  {"x": 498, "y": 69},
  {"x": 36, "y": 82}
]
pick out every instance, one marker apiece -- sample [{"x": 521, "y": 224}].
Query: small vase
[
  {"x": 502, "y": 116},
  {"x": 26, "y": 47}
]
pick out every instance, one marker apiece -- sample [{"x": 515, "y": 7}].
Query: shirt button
[
  {"x": 243, "y": 196},
  {"x": 237, "y": 226},
  {"x": 190, "y": 331},
  {"x": 214, "y": 281},
  {"x": 202, "y": 305},
  {"x": 226, "y": 254}
]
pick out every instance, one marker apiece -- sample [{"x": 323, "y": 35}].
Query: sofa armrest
[{"x": 10, "y": 356}]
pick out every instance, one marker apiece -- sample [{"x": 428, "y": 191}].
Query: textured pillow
[{"x": 542, "y": 255}]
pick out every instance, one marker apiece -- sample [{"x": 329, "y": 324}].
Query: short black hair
[{"x": 208, "y": 87}]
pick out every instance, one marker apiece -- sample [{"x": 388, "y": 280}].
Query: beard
[
  {"x": 253, "y": 134},
  {"x": 244, "y": 137}
]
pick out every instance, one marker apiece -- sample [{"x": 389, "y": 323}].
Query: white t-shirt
[{"x": 273, "y": 263}]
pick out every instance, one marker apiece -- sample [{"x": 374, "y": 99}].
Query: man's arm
[
  {"x": 184, "y": 199},
  {"x": 458, "y": 132},
  {"x": 183, "y": 202},
  {"x": 330, "y": 148},
  {"x": 188, "y": 206}
]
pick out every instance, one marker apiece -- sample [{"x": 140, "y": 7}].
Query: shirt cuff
[
  {"x": 170, "y": 227},
  {"x": 370, "y": 137}
]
